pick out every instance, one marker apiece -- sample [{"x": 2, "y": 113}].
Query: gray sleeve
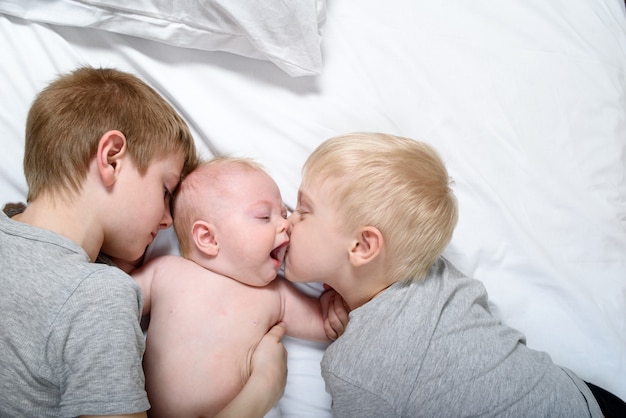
[
  {"x": 98, "y": 336},
  {"x": 353, "y": 401}
]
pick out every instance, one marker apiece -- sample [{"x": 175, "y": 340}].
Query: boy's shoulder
[
  {"x": 443, "y": 269},
  {"x": 22, "y": 241}
]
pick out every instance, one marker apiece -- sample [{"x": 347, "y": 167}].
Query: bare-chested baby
[{"x": 210, "y": 308}]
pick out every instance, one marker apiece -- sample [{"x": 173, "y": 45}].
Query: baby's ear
[
  {"x": 203, "y": 235},
  {"x": 366, "y": 246}
]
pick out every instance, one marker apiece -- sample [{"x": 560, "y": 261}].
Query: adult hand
[
  {"x": 268, "y": 376},
  {"x": 269, "y": 362}
]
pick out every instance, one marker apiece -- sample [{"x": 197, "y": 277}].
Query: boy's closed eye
[
  {"x": 301, "y": 212},
  {"x": 167, "y": 194}
]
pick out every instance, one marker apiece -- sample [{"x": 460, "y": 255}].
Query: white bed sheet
[{"x": 526, "y": 100}]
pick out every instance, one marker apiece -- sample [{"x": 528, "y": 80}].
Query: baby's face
[
  {"x": 253, "y": 231},
  {"x": 319, "y": 246}
]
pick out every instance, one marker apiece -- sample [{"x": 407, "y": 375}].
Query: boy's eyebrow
[
  {"x": 174, "y": 180},
  {"x": 303, "y": 197}
]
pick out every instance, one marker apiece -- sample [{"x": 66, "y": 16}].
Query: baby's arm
[
  {"x": 267, "y": 380},
  {"x": 322, "y": 319},
  {"x": 144, "y": 276}
]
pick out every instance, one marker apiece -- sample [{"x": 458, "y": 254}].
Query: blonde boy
[
  {"x": 374, "y": 214},
  {"x": 211, "y": 307},
  {"x": 103, "y": 153}
]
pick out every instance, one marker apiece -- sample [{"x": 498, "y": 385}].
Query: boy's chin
[{"x": 288, "y": 274}]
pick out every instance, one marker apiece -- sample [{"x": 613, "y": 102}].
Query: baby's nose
[{"x": 284, "y": 226}]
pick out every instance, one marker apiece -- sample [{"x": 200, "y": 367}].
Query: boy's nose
[{"x": 167, "y": 219}]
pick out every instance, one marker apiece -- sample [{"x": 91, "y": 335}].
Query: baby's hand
[{"x": 335, "y": 313}]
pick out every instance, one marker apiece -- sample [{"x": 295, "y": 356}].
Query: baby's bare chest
[{"x": 220, "y": 317}]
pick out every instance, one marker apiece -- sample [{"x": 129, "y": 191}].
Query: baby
[{"x": 211, "y": 307}]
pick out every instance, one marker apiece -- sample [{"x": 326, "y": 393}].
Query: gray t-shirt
[
  {"x": 70, "y": 340},
  {"x": 433, "y": 349}
]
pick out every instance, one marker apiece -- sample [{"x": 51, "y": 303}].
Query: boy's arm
[
  {"x": 322, "y": 319},
  {"x": 267, "y": 381}
]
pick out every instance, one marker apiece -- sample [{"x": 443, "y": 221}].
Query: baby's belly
[{"x": 196, "y": 366}]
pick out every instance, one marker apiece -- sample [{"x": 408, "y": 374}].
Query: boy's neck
[
  {"x": 366, "y": 283},
  {"x": 71, "y": 221}
]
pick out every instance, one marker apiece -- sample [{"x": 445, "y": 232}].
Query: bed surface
[{"x": 525, "y": 100}]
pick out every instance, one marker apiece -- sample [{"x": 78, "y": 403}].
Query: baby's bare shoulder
[
  {"x": 174, "y": 266},
  {"x": 173, "y": 271},
  {"x": 164, "y": 261}
]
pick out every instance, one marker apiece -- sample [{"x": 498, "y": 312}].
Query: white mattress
[{"x": 526, "y": 101}]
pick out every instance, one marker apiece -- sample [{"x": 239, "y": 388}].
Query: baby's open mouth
[{"x": 278, "y": 253}]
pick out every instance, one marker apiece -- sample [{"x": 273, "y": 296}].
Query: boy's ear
[
  {"x": 366, "y": 247},
  {"x": 111, "y": 150},
  {"x": 203, "y": 235}
]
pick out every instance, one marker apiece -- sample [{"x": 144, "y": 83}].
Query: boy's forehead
[
  {"x": 318, "y": 184},
  {"x": 171, "y": 163},
  {"x": 316, "y": 192},
  {"x": 170, "y": 158}
]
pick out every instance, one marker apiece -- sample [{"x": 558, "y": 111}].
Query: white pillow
[{"x": 286, "y": 33}]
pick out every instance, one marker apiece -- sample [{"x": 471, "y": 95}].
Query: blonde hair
[
  {"x": 395, "y": 184},
  {"x": 68, "y": 118},
  {"x": 190, "y": 200}
]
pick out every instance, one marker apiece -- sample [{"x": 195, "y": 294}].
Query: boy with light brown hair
[
  {"x": 103, "y": 154},
  {"x": 211, "y": 307},
  {"x": 374, "y": 214}
]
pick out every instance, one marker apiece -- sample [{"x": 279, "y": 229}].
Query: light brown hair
[{"x": 69, "y": 116}]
